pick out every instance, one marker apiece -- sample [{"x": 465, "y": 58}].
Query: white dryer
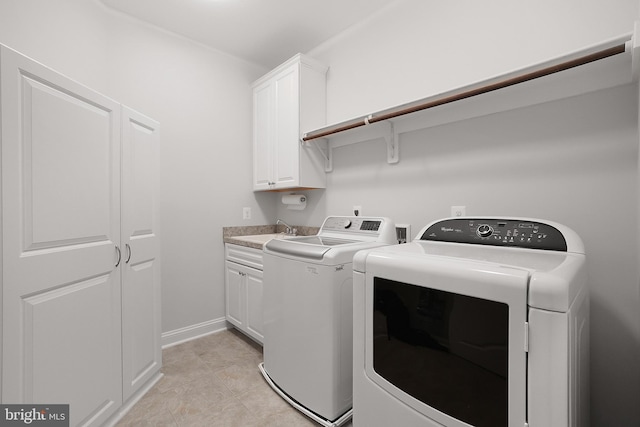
[
  {"x": 477, "y": 322},
  {"x": 308, "y": 312}
]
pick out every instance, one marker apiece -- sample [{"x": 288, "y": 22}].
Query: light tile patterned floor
[{"x": 213, "y": 381}]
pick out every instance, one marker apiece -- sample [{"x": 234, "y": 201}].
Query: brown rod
[
  {"x": 473, "y": 92},
  {"x": 351, "y": 125},
  {"x": 503, "y": 84}
]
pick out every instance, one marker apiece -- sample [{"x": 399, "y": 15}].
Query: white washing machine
[
  {"x": 308, "y": 312},
  {"x": 477, "y": 322}
]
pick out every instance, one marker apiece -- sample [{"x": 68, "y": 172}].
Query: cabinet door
[
  {"x": 286, "y": 140},
  {"x": 141, "y": 348},
  {"x": 286, "y": 101},
  {"x": 61, "y": 326},
  {"x": 234, "y": 294},
  {"x": 254, "y": 303},
  {"x": 262, "y": 136}
]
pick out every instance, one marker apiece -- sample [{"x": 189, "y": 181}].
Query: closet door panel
[
  {"x": 65, "y": 138},
  {"x": 54, "y": 322},
  {"x": 60, "y": 230},
  {"x": 142, "y": 357}
]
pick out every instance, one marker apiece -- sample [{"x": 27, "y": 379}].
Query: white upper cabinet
[{"x": 287, "y": 102}]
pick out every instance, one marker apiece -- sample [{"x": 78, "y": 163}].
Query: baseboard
[{"x": 192, "y": 332}]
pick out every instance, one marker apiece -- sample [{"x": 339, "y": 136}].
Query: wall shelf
[{"x": 605, "y": 65}]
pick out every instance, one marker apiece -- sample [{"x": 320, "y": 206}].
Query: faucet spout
[{"x": 288, "y": 228}]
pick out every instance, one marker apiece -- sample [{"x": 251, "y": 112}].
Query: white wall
[
  {"x": 68, "y": 36},
  {"x": 202, "y": 100},
  {"x": 573, "y": 161},
  {"x": 417, "y": 48}
]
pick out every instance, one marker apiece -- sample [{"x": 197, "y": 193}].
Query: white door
[
  {"x": 234, "y": 294},
  {"x": 61, "y": 325},
  {"x": 262, "y": 136},
  {"x": 438, "y": 331},
  {"x": 254, "y": 303},
  {"x": 287, "y": 128},
  {"x": 141, "y": 346}
]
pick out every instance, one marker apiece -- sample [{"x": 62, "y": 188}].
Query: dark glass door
[{"x": 447, "y": 350}]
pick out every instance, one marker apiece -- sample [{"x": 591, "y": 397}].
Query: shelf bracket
[
  {"x": 393, "y": 144},
  {"x": 323, "y": 146}
]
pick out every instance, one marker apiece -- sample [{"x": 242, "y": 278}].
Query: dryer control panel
[{"x": 497, "y": 232}]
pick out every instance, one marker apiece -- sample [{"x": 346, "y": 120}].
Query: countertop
[{"x": 255, "y": 236}]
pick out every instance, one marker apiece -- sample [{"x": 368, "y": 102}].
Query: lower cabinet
[{"x": 243, "y": 290}]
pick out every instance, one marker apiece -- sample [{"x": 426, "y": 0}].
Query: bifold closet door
[
  {"x": 61, "y": 251},
  {"x": 141, "y": 263}
]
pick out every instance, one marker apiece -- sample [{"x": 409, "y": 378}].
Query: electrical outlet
[
  {"x": 403, "y": 233},
  {"x": 246, "y": 213},
  {"x": 357, "y": 210},
  {"x": 458, "y": 210}
]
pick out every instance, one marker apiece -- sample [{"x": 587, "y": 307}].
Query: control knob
[
  {"x": 484, "y": 230},
  {"x": 347, "y": 223}
]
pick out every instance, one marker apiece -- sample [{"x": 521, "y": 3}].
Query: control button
[{"x": 484, "y": 230}]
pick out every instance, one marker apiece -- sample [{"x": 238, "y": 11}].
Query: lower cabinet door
[
  {"x": 234, "y": 294},
  {"x": 254, "y": 304},
  {"x": 243, "y": 299}
]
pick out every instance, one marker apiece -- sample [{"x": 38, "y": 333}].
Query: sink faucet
[{"x": 289, "y": 229}]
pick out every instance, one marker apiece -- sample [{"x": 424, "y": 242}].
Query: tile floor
[{"x": 214, "y": 381}]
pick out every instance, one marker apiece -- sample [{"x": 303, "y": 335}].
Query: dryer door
[{"x": 447, "y": 337}]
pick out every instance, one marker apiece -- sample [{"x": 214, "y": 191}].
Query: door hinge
[{"x": 526, "y": 337}]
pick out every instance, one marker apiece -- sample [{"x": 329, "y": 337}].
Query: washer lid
[
  {"x": 288, "y": 247},
  {"x": 322, "y": 240},
  {"x": 338, "y": 239}
]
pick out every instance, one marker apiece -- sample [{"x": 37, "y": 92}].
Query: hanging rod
[{"x": 586, "y": 56}]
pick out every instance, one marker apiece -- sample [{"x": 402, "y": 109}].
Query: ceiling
[{"x": 265, "y": 32}]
